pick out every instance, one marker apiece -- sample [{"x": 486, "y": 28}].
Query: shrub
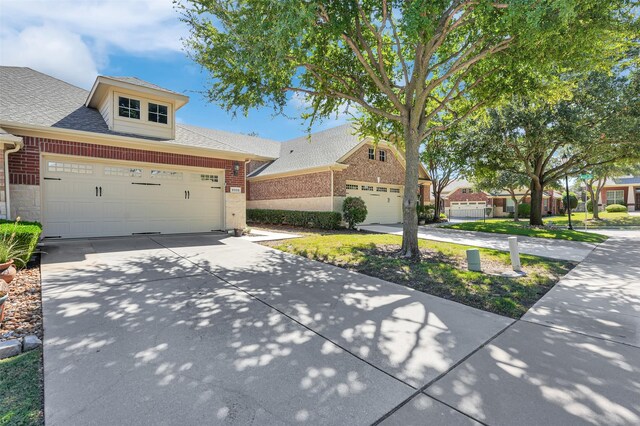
[
  {"x": 322, "y": 220},
  {"x": 589, "y": 206},
  {"x": 18, "y": 240},
  {"x": 354, "y": 211},
  {"x": 426, "y": 212},
  {"x": 616, "y": 208},
  {"x": 524, "y": 210}
]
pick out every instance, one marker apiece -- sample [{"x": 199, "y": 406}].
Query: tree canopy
[{"x": 410, "y": 68}]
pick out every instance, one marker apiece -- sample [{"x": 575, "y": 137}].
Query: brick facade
[
  {"x": 457, "y": 195},
  {"x": 299, "y": 186},
  {"x": 24, "y": 165},
  {"x": 361, "y": 169}
]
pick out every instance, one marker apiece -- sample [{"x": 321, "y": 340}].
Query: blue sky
[{"x": 77, "y": 40}]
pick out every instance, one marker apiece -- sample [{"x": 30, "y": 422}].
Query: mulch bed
[{"x": 23, "y": 308}]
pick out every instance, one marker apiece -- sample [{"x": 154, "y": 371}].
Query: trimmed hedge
[
  {"x": 27, "y": 236},
  {"x": 322, "y": 220},
  {"x": 616, "y": 208},
  {"x": 354, "y": 211}
]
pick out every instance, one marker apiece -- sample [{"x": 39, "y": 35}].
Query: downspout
[{"x": 16, "y": 147}]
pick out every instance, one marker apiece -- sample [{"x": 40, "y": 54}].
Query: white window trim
[{"x": 618, "y": 200}]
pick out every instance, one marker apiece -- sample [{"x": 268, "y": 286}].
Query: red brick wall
[
  {"x": 457, "y": 195},
  {"x": 362, "y": 169},
  {"x": 255, "y": 165},
  {"x": 603, "y": 194},
  {"x": 298, "y": 186},
  {"x": 24, "y": 165}
]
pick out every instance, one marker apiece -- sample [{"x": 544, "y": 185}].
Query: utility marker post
[
  {"x": 515, "y": 254},
  {"x": 473, "y": 260}
]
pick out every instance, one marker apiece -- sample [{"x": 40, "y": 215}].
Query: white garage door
[
  {"x": 384, "y": 202},
  {"x": 88, "y": 199},
  {"x": 470, "y": 209}
]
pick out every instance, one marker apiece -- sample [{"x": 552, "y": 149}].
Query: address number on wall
[{"x": 235, "y": 189}]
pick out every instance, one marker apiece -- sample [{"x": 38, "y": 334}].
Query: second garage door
[
  {"x": 88, "y": 199},
  {"x": 384, "y": 202}
]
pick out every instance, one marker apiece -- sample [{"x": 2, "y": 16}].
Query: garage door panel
[
  {"x": 132, "y": 200},
  {"x": 384, "y": 202}
]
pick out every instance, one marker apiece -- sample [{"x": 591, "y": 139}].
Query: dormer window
[
  {"x": 158, "y": 113},
  {"x": 129, "y": 108}
]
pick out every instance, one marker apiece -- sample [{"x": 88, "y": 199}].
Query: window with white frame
[
  {"x": 395, "y": 190},
  {"x": 352, "y": 186},
  {"x": 158, "y": 113},
  {"x": 60, "y": 167},
  {"x": 382, "y": 155},
  {"x": 381, "y": 189},
  {"x": 129, "y": 108},
  {"x": 123, "y": 171},
  {"x": 509, "y": 206},
  {"x": 615, "y": 197},
  {"x": 366, "y": 188},
  {"x": 206, "y": 177},
  {"x": 372, "y": 154},
  {"x": 164, "y": 174}
]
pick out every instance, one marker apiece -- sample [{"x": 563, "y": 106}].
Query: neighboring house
[
  {"x": 461, "y": 199},
  {"x": 622, "y": 190},
  {"x": 317, "y": 172},
  {"x": 114, "y": 161}
]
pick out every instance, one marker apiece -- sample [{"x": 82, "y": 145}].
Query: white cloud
[
  {"x": 53, "y": 51},
  {"x": 67, "y": 38}
]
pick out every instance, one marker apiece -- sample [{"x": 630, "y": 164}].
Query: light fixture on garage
[{"x": 236, "y": 168}]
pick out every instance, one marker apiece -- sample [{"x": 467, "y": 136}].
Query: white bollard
[{"x": 515, "y": 255}]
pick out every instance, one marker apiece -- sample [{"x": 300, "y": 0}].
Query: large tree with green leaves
[
  {"x": 445, "y": 158},
  {"x": 597, "y": 126},
  {"x": 410, "y": 67},
  {"x": 511, "y": 181}
]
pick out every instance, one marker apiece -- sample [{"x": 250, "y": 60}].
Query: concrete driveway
[{"x": 208, "y": 329}]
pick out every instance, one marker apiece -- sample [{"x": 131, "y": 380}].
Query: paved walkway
[
  {"x": 555, "y": 249},
  {"x": 206, "y": 329}
]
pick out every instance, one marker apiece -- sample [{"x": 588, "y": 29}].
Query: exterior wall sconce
[{"x": 236, "y": 168}]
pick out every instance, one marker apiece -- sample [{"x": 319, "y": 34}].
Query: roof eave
[{"x": 96, "y": 90}]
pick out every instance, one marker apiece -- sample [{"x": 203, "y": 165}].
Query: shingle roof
[
  {"x": 33, "y": 98},
  {"x": 633, "y": 180},
  {"x": 323, "y": 148},
  {"x": 136, "y": 81}
]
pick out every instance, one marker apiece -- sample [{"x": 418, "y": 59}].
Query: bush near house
[
  {"x": 321, "y": 220},
  {"x": 354, "y": 211},
  {"x": 590, "y": 206},
  {"x": 25, "y": 240},
  {"x": 524, "y": 210},
  {"x": 616, "y": 208}
]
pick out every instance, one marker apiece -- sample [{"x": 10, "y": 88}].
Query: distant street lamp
[{"x": 566, "y": 197}]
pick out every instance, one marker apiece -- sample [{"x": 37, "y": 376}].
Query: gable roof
[
  {"x": 31, "y": 98},
  {"x": 319, "y": 149},
  {"x": 628, "y": 180},
  {"x": 138, "y": 82}
]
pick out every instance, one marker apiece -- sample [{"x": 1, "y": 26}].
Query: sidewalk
[
  {"x": 574, "y": 251},
  {"x": 574, "y": 358}
]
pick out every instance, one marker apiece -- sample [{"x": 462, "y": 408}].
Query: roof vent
[{"x": 291, "y": 152}]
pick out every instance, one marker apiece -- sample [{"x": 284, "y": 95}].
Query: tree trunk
[
  {"x": 409, "y": 213},
  {"x": 594, "y": 201},
  {"x": 515, "y": 209},
  {"x": 535, "y": 219},
  {"x": 436, "y": 198}
]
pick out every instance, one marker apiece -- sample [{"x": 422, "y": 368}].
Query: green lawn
[
  {"x": 508, "y": 226},
  {"x": 606, "y": 219},
  {"x": 441, "y": 272},
  {"x": 21, "y": 390}
]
